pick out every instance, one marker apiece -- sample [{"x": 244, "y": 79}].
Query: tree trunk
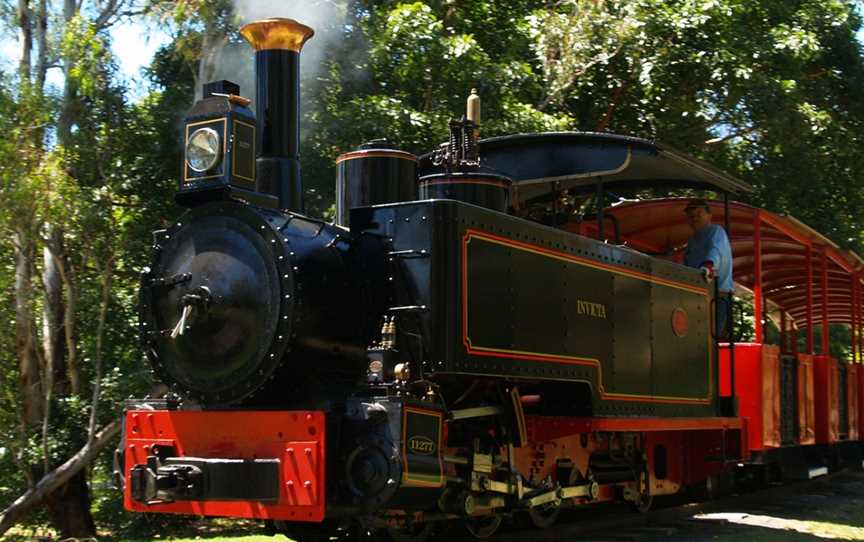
[
  {"x": 68, "y": 105},
  {"x": 42, "y": 45},
  {"x": 68, "y": 508},
  {"x": 25, "y": 37},
  {"x": 25, "y": 344},
  {"x": 53, "y": 312},
  {"x": 74, "y": 371},
  {"x": 107, "y": 273},
  {"x": 52, "y": 332}
]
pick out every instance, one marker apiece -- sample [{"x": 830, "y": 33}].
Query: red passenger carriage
[{"x": 790, "y": 395}]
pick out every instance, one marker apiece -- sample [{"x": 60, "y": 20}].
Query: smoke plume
[{"x": 326, "y": 17}]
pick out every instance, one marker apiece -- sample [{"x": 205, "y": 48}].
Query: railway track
[{"x": 771, "y": 511}]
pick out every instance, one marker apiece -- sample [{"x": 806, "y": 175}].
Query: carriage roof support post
[
  {"x": 784, "y": 336},
  {"x": 809, "y": 255},
  {"x": 824, "y": 286},
  {"x": 853, "y": 327},
  {"x": 857, "y": 352},
  {"x": 856, "y": 320},
  {"x": 730, "y": 323},
  {"x": 730, "y": 320},
  {"x": 860, "y": 301},
  {"x": 860, "y": 298},
  {"x": 860, "y": 318},
  {"x": 757, "y": 277},
  {"x": 856, "y": 308},
  {"x": 599, "y": 196}
]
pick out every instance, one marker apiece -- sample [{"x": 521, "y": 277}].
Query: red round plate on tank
[{"x": 680, "y": 322}]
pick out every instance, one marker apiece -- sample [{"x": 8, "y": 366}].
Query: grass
[
  {"x": 170, "y": 529},
  {"x": 249, "y": 538}
]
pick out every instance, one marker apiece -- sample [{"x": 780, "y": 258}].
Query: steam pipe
[{"x": 277, "y": 43}]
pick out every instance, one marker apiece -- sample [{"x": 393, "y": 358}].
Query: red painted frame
[
  {"x": 757, "y": 387},
  {"x": 852, "y": 400},
  {"x": 825, "y": 321},
  {"x": 809, "y": 300},
  {"x": 806, "y": 400},
  {"x": 826, "y": 382},
  {"x": 757, "y": 276},
  {"x": 296, "y": 438},
  {"x": 546, "y": 428}
]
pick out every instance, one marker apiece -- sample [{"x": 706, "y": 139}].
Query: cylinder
[
  {"x": 277, "y": 44},
  {"x": 377, "y": 172},
  {"x": 488, "y": 190}
]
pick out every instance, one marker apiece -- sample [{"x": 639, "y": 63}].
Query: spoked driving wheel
[
  {"x": 482, "y": 526},
  {"x": 643, "y": 503},
  {"x": 544, "y": 516}
]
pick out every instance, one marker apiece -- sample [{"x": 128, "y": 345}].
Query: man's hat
[{"x": 697, "y": 204}]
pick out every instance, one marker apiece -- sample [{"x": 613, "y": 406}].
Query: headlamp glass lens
[{"x": 202, "y": 149}]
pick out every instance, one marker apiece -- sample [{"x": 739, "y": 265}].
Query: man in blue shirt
[{"x": 710, "y": 251}]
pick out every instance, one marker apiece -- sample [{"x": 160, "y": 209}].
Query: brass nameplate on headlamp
[{"x": 243, "y": 152}]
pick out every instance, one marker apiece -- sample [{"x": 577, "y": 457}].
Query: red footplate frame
[{"x": 296, "y": 438}]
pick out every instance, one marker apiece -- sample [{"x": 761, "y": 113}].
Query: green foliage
[{"x": 89, "y": 53}]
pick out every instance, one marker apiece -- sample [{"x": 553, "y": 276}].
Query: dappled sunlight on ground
[{"x": 821, "y": 529}]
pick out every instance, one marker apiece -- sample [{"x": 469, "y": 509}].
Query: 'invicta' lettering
[{"x": 597, "y": 310}]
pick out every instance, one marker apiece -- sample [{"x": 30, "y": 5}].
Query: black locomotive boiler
[{"x": 420, "y": 360}]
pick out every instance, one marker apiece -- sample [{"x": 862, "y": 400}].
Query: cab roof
[{"x": 545, "y": 163}]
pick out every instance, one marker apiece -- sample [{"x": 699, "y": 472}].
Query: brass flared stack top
[{"x": 277, "y": 33}]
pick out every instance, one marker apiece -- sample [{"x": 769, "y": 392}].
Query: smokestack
[{"x": 277, "y": 43}]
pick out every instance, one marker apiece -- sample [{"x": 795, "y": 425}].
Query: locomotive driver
[{"x": 709, "y": 250}]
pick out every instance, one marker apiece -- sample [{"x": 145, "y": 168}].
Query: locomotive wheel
[
  {"x": 719, "y": 485},
  {"x": 645, "y": 499},
  {"x": 712, "y": 486},
  {"x": 643, "y": 504},
  {"x": 482, "y": 526},
  {"x": 544, "y": 516}
]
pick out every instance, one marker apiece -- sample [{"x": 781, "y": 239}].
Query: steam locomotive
[{"x": 444, "y": 351}]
